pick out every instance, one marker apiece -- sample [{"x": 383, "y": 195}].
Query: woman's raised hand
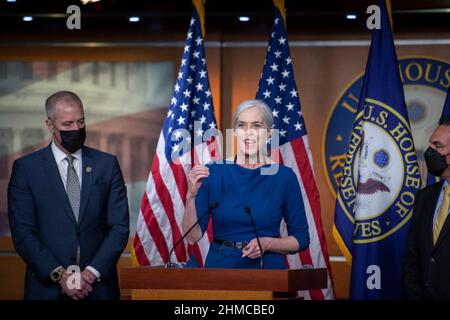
[{"x": 194, "y": 178}]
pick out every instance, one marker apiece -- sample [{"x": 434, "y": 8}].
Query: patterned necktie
[
  {"x": 442, "y": 215},
  {"x": 73, "y": 187},
  {"x": 73, "y": 192}
]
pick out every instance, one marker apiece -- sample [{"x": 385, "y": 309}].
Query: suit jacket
[
  {"x": 426, "y": 268},
  {"x": 45, "y": 232}
]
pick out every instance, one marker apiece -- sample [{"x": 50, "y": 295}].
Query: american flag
[
  {"x": 189, "y": 117},
  {"x": 278, "y": 89}
]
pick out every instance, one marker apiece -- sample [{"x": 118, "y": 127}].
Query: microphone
[
  {"x": 249, "y": 212},
  {"x": 171, "y": 264}
]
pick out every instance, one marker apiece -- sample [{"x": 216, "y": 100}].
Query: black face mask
[
  {"x": 436, "y": 163},
  {"x": 72, "y": 140}
]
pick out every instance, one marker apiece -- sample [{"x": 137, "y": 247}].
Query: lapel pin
[{"x": 88, "y": 169}]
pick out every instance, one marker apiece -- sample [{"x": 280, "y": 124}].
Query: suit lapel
[
  {"x": 431, "y": 199},
  {"x": 52, "y": 172},
  {"x": 87, "y": 173},
  {"x": 444, "y": 232}
]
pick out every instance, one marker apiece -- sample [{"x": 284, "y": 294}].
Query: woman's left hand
[{"x": 252, "y": 251}]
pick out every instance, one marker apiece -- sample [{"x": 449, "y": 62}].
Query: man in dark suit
[
  {"x": 426, "y": 268},
  {"x": 68, "y": 211}
]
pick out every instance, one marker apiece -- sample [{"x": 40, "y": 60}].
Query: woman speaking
[{"x": 242, "y": 200}]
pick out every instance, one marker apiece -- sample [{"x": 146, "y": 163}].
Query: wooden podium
[{"x": 156, "y": 283}]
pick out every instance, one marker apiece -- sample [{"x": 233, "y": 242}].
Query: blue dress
[{"x": 270, "y": 198}]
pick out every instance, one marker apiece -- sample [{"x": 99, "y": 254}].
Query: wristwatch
[{"x": 56, "y": 274}]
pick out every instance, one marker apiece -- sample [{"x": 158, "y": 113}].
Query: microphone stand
[
  {"x": 171, "y": 264},
  {"x": 261, "y": 261}
]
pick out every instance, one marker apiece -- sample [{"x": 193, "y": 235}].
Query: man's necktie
[
  {"x": 442, "y": 215},
  {"x": 73, "y": 192},
  {"x": 73, "y": 187}
]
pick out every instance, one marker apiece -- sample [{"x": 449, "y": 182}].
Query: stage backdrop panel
[
  {"x": 125, "y": 104},
  {"x": 324, "y": 72}
]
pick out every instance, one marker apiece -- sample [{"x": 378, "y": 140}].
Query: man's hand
[
  {"x": 84, "y": 288},
  {"x": 88, "y": 276}
]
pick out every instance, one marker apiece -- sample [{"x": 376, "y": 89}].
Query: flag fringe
[
  {"x": 341, "y": 244},
  {"x": 133, "y": 258},
  {"x": 389, "y": 11},
  {"x": 200, "y": 7},
  {"x": 280, "y": 5}
]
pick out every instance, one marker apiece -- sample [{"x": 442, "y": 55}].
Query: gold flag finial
[
  {"x": 199, "y": 6},
  {"x": 280, "y": 5}
]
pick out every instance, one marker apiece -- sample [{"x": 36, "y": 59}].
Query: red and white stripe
[
  {"x": 159, "y": 220},
  {"x": 297, "y": 155}
]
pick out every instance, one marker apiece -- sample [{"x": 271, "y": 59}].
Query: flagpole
[{"x": 277, "y": 87}]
